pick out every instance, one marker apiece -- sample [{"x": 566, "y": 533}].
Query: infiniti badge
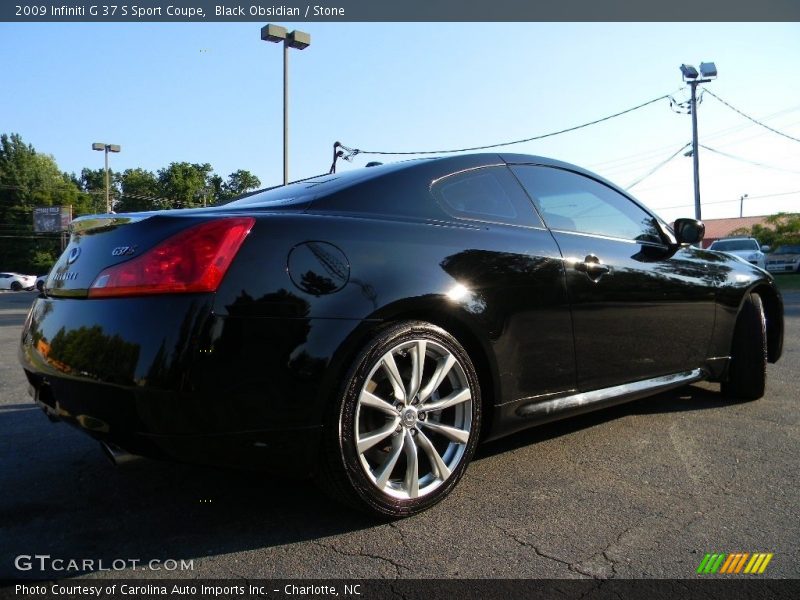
[{"x": 73, "y": 255}]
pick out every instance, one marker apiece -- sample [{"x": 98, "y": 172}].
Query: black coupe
[{"x": 369, "y": 328}]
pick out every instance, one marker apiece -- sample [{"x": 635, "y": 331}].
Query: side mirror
[
  {"x": 689, "y": 231},
  {"x": 765, "y": 248}
]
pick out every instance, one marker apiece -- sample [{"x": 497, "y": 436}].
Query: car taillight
[{"x": 194, "y": 260}]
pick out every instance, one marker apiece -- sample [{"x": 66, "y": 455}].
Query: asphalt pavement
[{"x": 642, "y": 490}]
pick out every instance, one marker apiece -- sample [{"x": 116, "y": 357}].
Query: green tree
[
  {"x": 781, "y": 228},
  {"x": 140, "y": 191},
  {"x": 239, "y": 182},
  {"x": 29, "y": 179},
  {"x": 185, "y": 185}
]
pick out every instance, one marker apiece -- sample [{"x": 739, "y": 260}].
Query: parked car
[
  {"x": 746, "y": 248},
  {"x": 16, "y": 281},
  {"x": 40, "y": 281},
  {"x": 370, "y": 327},
  {"x": 784, "y": 259}
]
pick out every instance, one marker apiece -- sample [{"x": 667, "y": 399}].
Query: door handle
[{"x": 592, "y": 266}]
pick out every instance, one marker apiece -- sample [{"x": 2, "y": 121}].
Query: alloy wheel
[{"x": 413, "y": 419}]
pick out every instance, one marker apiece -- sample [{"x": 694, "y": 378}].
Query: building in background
[{"x": 721, "y": 228}]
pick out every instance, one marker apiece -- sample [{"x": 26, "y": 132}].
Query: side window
[
  {"x": 488, "y": 194},
  {"x": 572, "y": 202}
]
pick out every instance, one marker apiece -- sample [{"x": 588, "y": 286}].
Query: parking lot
[{"x": 643, "y": 490}]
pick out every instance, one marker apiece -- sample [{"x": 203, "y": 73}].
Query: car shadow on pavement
[{"x": 60, "y": 496}]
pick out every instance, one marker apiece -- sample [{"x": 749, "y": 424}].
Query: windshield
[
  {"x": 733, "y": 245},
  {"x": 787, "y": 250}
]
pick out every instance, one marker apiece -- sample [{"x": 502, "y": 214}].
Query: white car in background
[
  {"x": 747, "y": 249},
  {"x": 16, "y": 282}
]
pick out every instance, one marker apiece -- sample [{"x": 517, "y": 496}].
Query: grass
[{"x": 789, "y": 282}]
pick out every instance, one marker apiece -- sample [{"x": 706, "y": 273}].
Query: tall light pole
[
  {"x": 295, "y": 39},
  {"x": 100, "y": 146},
  {"x": 708, "y": 71},
  {"x": 741, "y": 205}
]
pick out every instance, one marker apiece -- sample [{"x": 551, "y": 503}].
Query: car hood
[
  {"x": 787, "y": 256},
  {"x": 741, "y": 253}
]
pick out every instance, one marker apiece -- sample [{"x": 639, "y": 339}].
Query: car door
[
  {"x": 514, "y": 270},
  {"x": 639, "y": 308}
]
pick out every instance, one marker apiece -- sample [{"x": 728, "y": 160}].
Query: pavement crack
[
  {"x": 402, "y": 535},
  {"x": 398, "y": 566},
  {"x": 570, "y": 566},
  {"x": 611, "y": 561}
]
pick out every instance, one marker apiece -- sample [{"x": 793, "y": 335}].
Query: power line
[
  {"x": 625, "y": 162},
  {"x": 352, "y": 152},
  {"x": 774, "y": 195},
  {"x": 757, "y": 122},
  {"x": 744, "y": 160},
  {"x": 658, "y": 166},
  {"x": 729, "y": 201}
]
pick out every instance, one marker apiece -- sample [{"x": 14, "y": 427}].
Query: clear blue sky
[{"x": 212, "y": 93}]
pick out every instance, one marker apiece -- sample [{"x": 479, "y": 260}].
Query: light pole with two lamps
[
  {"x": 101, "y": 147},
  {"x": 708, "y": 71},
  {"x": 300, "y": 41}
]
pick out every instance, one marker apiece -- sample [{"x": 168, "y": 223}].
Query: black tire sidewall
[
  {"x": 363, "y": 487},
  {"x": 747, "y": 371}
]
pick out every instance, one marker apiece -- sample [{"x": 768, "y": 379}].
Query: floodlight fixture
[
  {"x": 689, "y": 72},
  {"x": 708, "y": 70},
  {"x": 299, "y": 39},
  {"x": 273, "y": 33}
]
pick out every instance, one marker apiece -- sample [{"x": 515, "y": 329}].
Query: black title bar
[{"x": 399, "y": 10}]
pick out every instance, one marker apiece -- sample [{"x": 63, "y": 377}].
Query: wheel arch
[{"x": 467, "y": 334}]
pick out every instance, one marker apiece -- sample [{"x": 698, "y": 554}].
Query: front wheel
[
  {"x": 16, "y": 286},
  {"x": 406, "y": 423},
  {"x": 747, "y": 377}
]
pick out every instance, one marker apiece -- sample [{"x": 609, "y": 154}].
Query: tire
[
  {"x": 16, "y": 286},
  {"x": 747, "y": 372},
  {"x": 398, "y": 440}
]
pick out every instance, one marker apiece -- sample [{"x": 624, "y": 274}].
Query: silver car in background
[
  {"x": 745, "y": 248},
  {"x": 785, "y": 259}
]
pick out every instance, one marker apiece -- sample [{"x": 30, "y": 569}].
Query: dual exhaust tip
[{"x": 117, "y": 455}]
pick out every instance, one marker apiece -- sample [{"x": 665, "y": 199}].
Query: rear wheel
[
  {"x": 747, "y": 373},
  {"x": 407, "y": 422},
  {"x": 16, "y": 286}
]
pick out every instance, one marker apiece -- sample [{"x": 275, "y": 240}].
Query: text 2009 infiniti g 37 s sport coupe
[{"x": 371, "y": 327}]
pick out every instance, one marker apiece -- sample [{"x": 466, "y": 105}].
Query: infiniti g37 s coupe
[{"x": 369, "y": 328}]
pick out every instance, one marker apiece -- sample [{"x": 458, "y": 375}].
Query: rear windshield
[
  {"x": 308, "y": 189},
  {"x": 732, "y": 245}
]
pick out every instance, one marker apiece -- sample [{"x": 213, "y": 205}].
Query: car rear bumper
[
  {"x": 166, "y": 378},
  {"x": 109, "y": 416}
]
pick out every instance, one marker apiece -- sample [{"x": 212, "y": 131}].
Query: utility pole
[
  {"x": 690, "y": 76},
  {"x": 695, "y": 153}
]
